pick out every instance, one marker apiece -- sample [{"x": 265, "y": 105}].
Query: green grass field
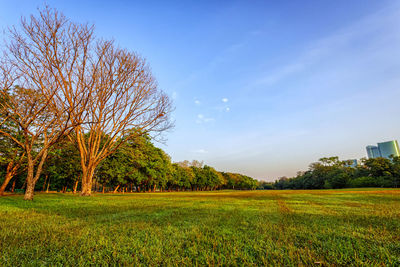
[{"x": 320, "y": 227}]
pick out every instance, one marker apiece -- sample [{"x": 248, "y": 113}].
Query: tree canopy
[{"x": 334, "y": 173}]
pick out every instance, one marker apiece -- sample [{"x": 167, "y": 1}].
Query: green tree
[{"x": 62, "y": 169}]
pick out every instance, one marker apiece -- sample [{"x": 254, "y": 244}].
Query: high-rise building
[
  {"x": 373, "y": 152},
  {"x": 384, "y": 149},
  {"x": 351, "y": 163},
  {"x": 389, "y": 148}
]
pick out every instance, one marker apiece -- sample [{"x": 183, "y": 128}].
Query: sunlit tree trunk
[
  {"x": 116, "y": 189},
  {"x": 7, "y": 179},
  {"x": 32, "y": 176},
  {"x": 87, "y": 179},
  {"x": 11, "y": 170},
  {"x": 76, "y": 186}
]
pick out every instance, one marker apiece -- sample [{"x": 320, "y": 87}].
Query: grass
[{"x": 319, "y": 227}]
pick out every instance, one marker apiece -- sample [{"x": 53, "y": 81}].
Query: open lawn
[{"x": 319, "y": 227}]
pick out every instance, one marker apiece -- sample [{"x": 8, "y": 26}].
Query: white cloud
[
  {"x": 225, "y": 100},
  {"x": 197, "y": 102},
  {"x": 228, "y": 109},
  {"x": 174, "y": 95},
  {"x": 202, "y": 119}
]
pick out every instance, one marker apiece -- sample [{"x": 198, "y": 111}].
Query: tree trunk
[
  {"x": 84, "y": 185},
  {"x": 103, "y": 188},
  {"x": 76, "y": 186},
  {"x": 45, "y": 180},
  {"x": 87, "y": 180},
  {"x": 13, "y": 187},
  {"x": 116, "y": 189},
  {"x": 154, "y": 188},
  {"x": 9, "y": 175},
  {"x": 30, "y": 187},
  {"x": 30, "y": 179},
  {"x": 5, "y": 183}
]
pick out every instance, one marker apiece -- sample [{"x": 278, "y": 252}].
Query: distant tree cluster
[
  {"x": 136, "y": 166},
  {"x": 333, "y": 173}
]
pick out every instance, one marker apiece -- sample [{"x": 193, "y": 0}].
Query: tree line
[
  {"x": 136, "y": 166},
  {"x": 330, "y": 172}
]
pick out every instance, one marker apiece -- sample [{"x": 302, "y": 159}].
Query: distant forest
[{"x": 330, "y": 172}]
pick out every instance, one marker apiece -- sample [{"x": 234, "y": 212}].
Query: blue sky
[{"x": 260, "y": 87}]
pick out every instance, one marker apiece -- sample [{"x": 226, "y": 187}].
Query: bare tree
[
  {"x": 194, "y": 163},
  {"x": 71, "y": 83},
  {"x": 124, "y": 104},
  {"x": 43, "y": 77}
]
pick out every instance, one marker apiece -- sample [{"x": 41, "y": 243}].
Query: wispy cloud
[
  {"x": 202, "y": 119},
  {"x": 373, "y": 28},
  {"x": 222, "y": 108},
  {"x": 280, "y": 73},
  {"x": 197, "y": 102},
  {"x": 225, "y": 100}
]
